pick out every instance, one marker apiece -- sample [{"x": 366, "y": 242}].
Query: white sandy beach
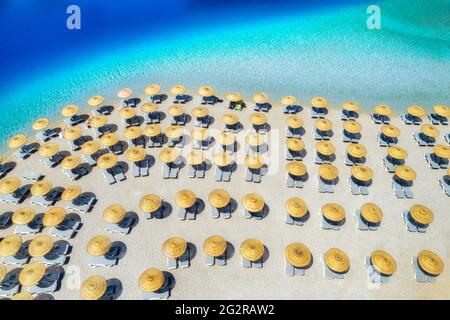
[{"x": 235, "y": 282}]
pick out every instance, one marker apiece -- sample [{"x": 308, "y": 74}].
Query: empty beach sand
[{"x": 144, "y": 243}]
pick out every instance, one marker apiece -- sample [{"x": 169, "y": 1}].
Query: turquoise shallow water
[{"x": 329, "y": 53}]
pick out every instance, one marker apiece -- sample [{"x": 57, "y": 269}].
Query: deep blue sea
[{"x": 303, "y": 48}]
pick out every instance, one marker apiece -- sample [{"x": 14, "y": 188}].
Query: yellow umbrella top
[
  {"x": 114, "y": 213},
  {"x": 296, "y": 207},
  {"x": 294, "y": 122},
  {"x": 390, "y": 131},
  {"x": 152, "y": 130},
  {"x": 127, "y": 113},
  {"x": 350, "y": 106},
  {"x": 325, "y": 147},
  {"x": 174, "y": 132},
  {"x": 333, "y": 212},
  {"x": 22, "y": 296},
  {"x": 149, "y": 107},
  {"x": 362, "y": 173},
  {"x": 296, "y": 168},
  {"x": 109, "y": 139},
  {"x": 10, "y": 245},
  {"x": 324, "y": 124},
  {"x": 23, "y": 216},
  {"x": 406, "y": 173},
  {"x": 206, "y": 91},
  {"x": 72, "y": 133},
  {"x": 69, "y": 111},
  {"x": 288, "y": 100},
  {"x": 298, "y": 255},
  {"x": 215, "y": 246},
  {"x": 356, "y": 150},
  {"x": 254, "y": 139},
  {"x": 383, "y": 262},
  {"x": 71, "y": 162},
  {"x": 151, "y": 280},
  {"x": 430, "y": 262},
  {"x": 107, "y": 161},
  {"x": 152, "y": 89},
  {"x": 371, "y": 212},
  {"x": 295, "y": 144},
  {"x": 195, "y": 157},
  {"x": 352, "y": 126},
  {"x": 328, "y": 171},
  {"x": 40, "y": 124},
  {"x": 421, "y": 214},
  {"x": 99, "y": 246},
  {"x": 9, "y": 185},
  {"x": 150, "y": 203},
  {"x": 168, "y": 155},
  {"x": 252, "y": 249},
  {"x": 442, "y": 151},
  {"x": 416, "y": 111},
  {"x": 382, "y": 110},
  {"x": 176, "y": 110},
  {"x": 17, "y": 141},
  {"x": 93, "y": 288},
  {"x": 185, "y": 198},
  {"x": 261, "y": 97},
  {"x": 174, "y": 247},
  {"x": 32, "y": 273},
  {"x": 234, "y": 97},
  {"x": 98, "y": 121},
  {"x": 133, "y": 132},
  {"x": 48, "y": 150},
  {"x": 3, "y": 272},
  {"x": 90, "y": 147},
  {"x": 222, "y": 159},
  {"x": 319, "y": 102},
  {"x": 54, "y": 217},
  {"x": 71, "y": 193},
  {"x": 337, "y": 260},
  {"x": 253, "y": 202},
  {"x": 200, "y": 112},
  {"x": 200, "y": 134},
  {"x": 40, "y": 246},
  {"x": 135, "y": 154},
  {"x": 226, "y": 138},
  {"x": 41, "y": 188},
  {"x": 95, "y": 101},
  {"x": 124, "y": 93},
  {"x": 230, "y": 119},
  {"x": 258, "y": 119},
  {"x": 442, "y": 110},
  {"x": 397, "y": 152},
  {"x": 178, "y": 89},
  {"x": 430, "y": 130},
  {"x": 254, "y": 161},
  {"x": 219, "y": 198}
]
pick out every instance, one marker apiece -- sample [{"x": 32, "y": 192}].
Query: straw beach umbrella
[
  {"x": 405, "y": 173},
  {"x": 40, "y": 246},
  {"x": 135, "y": 154},
  {"x": 93, "y": 288},
  {"x": 258, "y": 119},
  {"x": 383, "y": 262},
  {"x": 253, "y": 202},
  {"x": 206, "y": 91},
  {"x": 9, "y": 185},
  {"x": 168, "y": 155},
  {"x": 99, "y": 246},
  {"x": 200, "y": 112},
  {"x": 41, "y": 188},
  {"x": 295, "y": 144},
  {"x": 150, "y": 203},
  {"x": 149, "y": 107},
  {"x": 234, "y": 97},
  {"x": 288, "y": 100},
  {"x": 185, "y": 198},
  {"x": 260, "y": 97},
  {"x": 416, "y": 111},
  {"x": 114, "y": 213},
  {"x": 69, "y": 110},
  {"x": 296, "y": 207},
  {"x": 397, "y": 153},
  {"x": 72, "y": 133},
  {"x": 98, "y": 121},
  {"x": 230, "y": 119},
  {"x": 152, "y": 89},
  {"x": 132, "y": 132},
  {"x": 124, "y": 93},
  {"x": 350, "y": 106},
  {"x": 109, "y": 139},
  {"x": 442, "y": 151},
  {"x": 107, "y": 161},
  {"x": 90, "y": 147},
  {"x": 226, "y": 138},
  {"x": 362, "y": 173},
  {"x": 382, "y": 110},
  {"x": 219, "y": 198},
  {"x": 324, "y": 125},
  {"x": 298, "y": 255},
  {"x": 421, "y": 214},
  {"x": 442, "y": 110},
  {"x": 32, "y": 274},
  {"x": 429, "y": 130},
  {"x": 178, "y": 89},
  {"x": 333, "y": 212},
  {"x": 215, "y": 246},
  {"x": 356, "y": 150},
  {"x": 195, "y": 157},
  {"x": 430, "y": 262},
  {"x": 337, "y": 260},
  {"x": 10, "y": 245},
  {"x": 176, "y": 110},
  {"x": 252, "y": 249},
  {"x": 352, "y": 126},
  {"x": 174, "y": 247},
  {"x": 174, "y": 132},
  {"x": 296, "y": 168},
  {"x": 127, "y": 113},
  {"x": 40, "y": 124},
  {"x": 294, "y": 122},
  {"x": 319, "y": 102},
  {"x": 151, "y": 280},
  {"x": 48, "y": 150},
  {"x": 325, "y": 147},
  {"x": 54, "y": 217},
  {"x": 222, "y": 159},
  {"x": 152, "y": 130},
  {"x": 254, "y": 161},
  {"x": 390, "y": 131},
  {"x": 371, "y": 213},
  {"x": 23, "y": 216},
  {"x": 17, "y": 141},
  {"x": 22, "y": 296},
  {"x": 71, "y": 162},
  {"x": 95, "y": 101}
]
